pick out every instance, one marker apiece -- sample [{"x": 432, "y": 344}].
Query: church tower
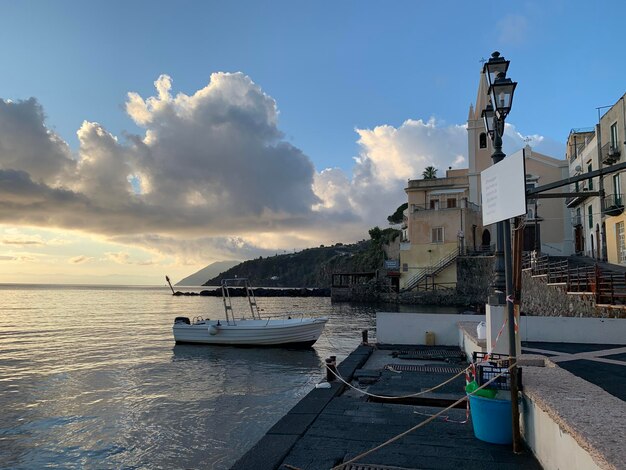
[{"x": 479, "y": 144}]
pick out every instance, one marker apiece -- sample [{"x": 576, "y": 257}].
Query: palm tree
[{"x": 429, "y": 173}]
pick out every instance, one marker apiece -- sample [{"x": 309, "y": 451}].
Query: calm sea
[{"x": 90, "y": 377}]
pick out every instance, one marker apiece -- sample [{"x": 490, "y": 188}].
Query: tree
[
  {"x": 429, "y": 173},
  {"x": 375, "y": 233},
  {"x": 396, "y": 217}
]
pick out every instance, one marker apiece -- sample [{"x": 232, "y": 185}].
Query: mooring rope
[
  {"x": 423, "y": 423},
  {"x": 336, "y": 374}
]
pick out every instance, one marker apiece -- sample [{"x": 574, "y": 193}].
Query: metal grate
[
  {"x": 428, "y": 368},
  {"x": 428, "y": 354},
  {"x": 364, "y": 466}
]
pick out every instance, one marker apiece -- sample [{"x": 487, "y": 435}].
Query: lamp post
[{"x": 500, "y": 92}]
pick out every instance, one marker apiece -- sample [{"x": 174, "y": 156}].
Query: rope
[
  {"x": 423, "y": 423},
  {"x": 336, "y": 374}
]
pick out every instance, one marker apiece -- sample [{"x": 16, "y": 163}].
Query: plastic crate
[{"x": 497, "y": 364}]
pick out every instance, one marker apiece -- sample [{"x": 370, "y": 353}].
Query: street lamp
[
  {"x": 489, "y": 119},
  {"x": 500, "y": 94},
  {"x": 494, "y": 66}
]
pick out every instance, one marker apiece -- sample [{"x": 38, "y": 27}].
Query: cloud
[
  {"x": 7, "y": 258},
  {"x": 80, "y": 259},
  {"x": 21, "y": 242},
  {"x": 211, "y": 176},
  {"x": 122, "y": 257},
  {"x": 512, "y": 30},
  {"x": 26, "y": 143}
]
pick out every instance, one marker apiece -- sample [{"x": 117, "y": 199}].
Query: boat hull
[{"x": 276, "y": 332}]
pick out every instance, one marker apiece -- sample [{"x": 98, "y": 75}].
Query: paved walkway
[{"x": 601, "y": 364}]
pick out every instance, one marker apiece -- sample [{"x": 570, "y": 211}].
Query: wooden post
[
  {"x": 513, "y": 329},
  {"x": 331, "y": 366},
  {"x": 168, "y": 281}
]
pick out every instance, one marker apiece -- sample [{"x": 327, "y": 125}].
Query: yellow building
[{"x": 440, "y": 223}]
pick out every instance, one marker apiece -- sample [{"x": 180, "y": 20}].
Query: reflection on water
[{"x": 90, "y": 378}]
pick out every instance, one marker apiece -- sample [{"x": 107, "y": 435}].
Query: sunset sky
[{"x": 139, "y": 139}]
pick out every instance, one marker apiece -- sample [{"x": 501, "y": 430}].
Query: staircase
[
  {"x": 606, "y": 281},
  {"x": 431, "y": 271}
]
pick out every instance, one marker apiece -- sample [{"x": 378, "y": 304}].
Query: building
[
  {"x": 549, "y": 214},
  {"x": 582, "y": 157},
  {"x": 548, "y": 222},
  {"x": 608, "y": 208},
  {"x": 444, "y": 215},
  {"x": 440, "y": 223},
  {"x": 598, "y": 219},
  {"x": 612, "y": 148}
]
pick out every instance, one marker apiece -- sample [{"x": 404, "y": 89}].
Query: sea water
[{"x": 90, "y": 377}]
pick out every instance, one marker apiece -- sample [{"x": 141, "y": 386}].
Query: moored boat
[{"x": 289, "y": 330}]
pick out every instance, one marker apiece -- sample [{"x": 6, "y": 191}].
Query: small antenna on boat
[{"x": 168, "y": 281}]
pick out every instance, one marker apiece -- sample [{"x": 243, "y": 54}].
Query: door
[{"x": 579, "y": 239}]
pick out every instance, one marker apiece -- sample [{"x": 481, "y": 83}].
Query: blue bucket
[{"x": 491, "y": 419}]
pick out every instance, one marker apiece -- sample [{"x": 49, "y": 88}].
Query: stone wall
[
  {"x": 474, "y": 279},
  {"x": 475, "y": 275},
  {"x": 447, "y": 297},
  {"x": 552, "y": 300}
]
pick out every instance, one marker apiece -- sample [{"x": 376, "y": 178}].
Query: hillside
[
  {"x": 312, "y": 267},
  {"x": 208, "y": 272}
]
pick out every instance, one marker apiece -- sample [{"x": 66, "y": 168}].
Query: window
[
  {"x": 483, "y": 141},
  {"x": 621, "y": 242},
  {"x": 434, "y": 204},
  {"x": 617, "y": 190},
  {"x": 590, "y": 215},
  {"x": 437, "y": 235},
  {"x": 451, "y": 203},
  {"x": 590, "y": 179},
  {"x": 614, "y": 135},
  {"x": 405, "y": 267}
]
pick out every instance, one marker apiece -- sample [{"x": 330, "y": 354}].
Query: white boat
[{"x": 288, "y": 330}]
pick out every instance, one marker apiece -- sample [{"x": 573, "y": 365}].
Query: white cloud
[
  {"x": 211, "y": 177},
  {"x": 512, "y": 30}
]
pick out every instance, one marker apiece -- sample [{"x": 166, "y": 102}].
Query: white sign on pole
[{"x": 503, "y": 189}]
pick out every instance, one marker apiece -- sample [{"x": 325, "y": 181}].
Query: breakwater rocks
[{"x": 263, "y": 292}]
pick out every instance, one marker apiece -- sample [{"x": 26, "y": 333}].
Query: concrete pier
[{"x": 331, "y": 426}]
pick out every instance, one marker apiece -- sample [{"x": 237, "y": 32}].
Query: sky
[{"x": 139, "y": 139}]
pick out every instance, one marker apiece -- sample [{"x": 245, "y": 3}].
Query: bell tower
[{"x": 478, "y": 142}]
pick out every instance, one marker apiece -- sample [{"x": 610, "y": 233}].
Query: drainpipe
[{"x": 602, "y": 242}]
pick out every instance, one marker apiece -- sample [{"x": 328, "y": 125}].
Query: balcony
[
  {"x": 574, "y": 201},
  {"x": 612, "y": 205},
  {"x": 577, "y": 220},
  {"x": 610, "y": 153},
  {"x": 444, "y": 205}
]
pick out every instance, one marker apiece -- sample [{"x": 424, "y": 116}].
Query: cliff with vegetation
[{"x": 313, "y": 267}]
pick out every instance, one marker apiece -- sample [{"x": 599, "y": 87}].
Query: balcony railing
[
  {"x": 612, "y": 205},
  {"x": 442, "y": 206},
  {"x": 576, "y": 200},
  {"x": 610, "y": 153},
  {"x": 577, "y": 220}
]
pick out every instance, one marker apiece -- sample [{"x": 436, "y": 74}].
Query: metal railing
[
  {"x": 612, "y": 205},
  {"x": 431, "y": 271},
  {"x": 442, "y": 206},
  {"x": 606, "y": 286},
  {"x": 610, "y": 153}
]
